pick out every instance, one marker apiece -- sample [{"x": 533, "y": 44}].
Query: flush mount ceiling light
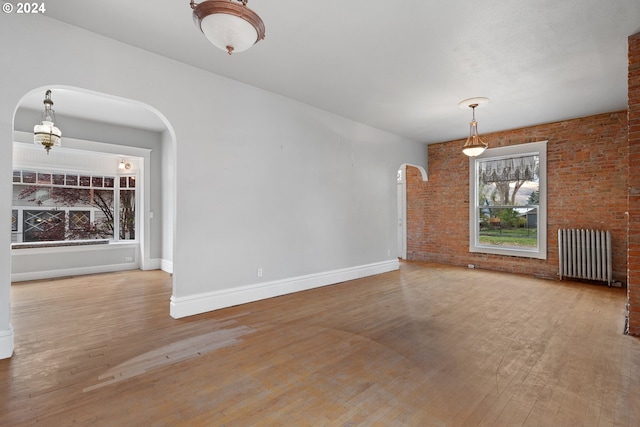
[
  {"x": 46, "y": 133},
  {"x": 228, "y": 24},
  {"x": 474, "y": 145}
]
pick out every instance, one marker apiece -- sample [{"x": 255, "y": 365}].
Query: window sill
[
  {"x": 79, "y": 246},
  {"x": 57, "y": 244},
  {"x": 515, "y": 252}
]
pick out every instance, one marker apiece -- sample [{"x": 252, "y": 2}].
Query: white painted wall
[
  {"x": 260, "y": 180},
  {"x": 35, "y": 264},
  {"x": 167, "y": 201}
]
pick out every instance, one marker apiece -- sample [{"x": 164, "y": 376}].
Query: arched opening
[
  {"x": 402, "y": 205},
  {"x": 110, "y": 145}
]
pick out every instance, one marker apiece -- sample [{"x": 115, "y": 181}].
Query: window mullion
[{"x": 116, "y": 209}]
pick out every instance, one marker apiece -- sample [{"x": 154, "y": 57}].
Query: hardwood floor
[{"x": 428, "y": 345}]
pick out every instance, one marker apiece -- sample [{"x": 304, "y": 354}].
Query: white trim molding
[
  {"x": 6, "y": 343},
  {"x": 166, "y": 266},
  {"x": 202, "y": 303},
  {"x": 532, "y": 148},
  {"x": 79, "y": 271},
  {"x": 153, "y": 264}
]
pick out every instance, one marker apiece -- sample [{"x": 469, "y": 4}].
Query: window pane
[
  {"x": 44, "y": 178},
  {"x": 43, "y": 226},
  {"x": 109, "y": 181},
  {"x": 14, "y": 220},
  {"x": 127, "y": 214},
  {"x": 17, "y": 176},
  {"x": 85, "y": 181},
  {"x": 79, "y": 220},
  {"x": 508, "y": 182},
  {"x": 72, "y": 180},
  {"x": 513, "y": 184},
  {"x": 58, "y": 178},
  {"x": 29, "y": 177},
  {"x": 123, "y": 182},
  {"x": 96, "y": 181},
  {"x": 508, "y": 227}
]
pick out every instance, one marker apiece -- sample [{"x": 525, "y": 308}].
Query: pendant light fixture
[
  {"x": 474, "y": 145},
  {"x": 46, "y": 133},
  {"x": 228, "y": 24}
]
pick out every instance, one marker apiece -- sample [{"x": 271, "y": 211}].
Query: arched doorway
[
  {"x": 115, "y": 131},
  {"x": 402, "y": 206},
  {"x": 112, "y": 128}
]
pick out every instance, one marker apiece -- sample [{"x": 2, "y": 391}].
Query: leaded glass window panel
[
  {"x": 39, "y": 226},
  {"x": 79, "y": 220}
]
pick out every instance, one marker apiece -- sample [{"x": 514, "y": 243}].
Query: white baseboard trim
[
  {"x": 152, "y": 264},
  {"x": 202, "y": 303},
  {"x": 166, "y": 266},
  {"x": 6, "y": 343},
  {"x": 50, "y": 274}
]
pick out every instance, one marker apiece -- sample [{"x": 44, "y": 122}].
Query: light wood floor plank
[{"x": 428, "y": 345}]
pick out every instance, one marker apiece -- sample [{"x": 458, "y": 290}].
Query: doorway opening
[
  {"x": 402, "y": 205},
  {"x": 101, "y": 133},
  {"x": 116, "y": 130}
]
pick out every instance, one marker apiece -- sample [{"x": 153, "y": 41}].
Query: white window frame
[
  {"x": 90, "y": 173},
  {"x": 533, "y": 148}
]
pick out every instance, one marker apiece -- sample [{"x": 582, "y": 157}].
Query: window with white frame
[
  {"x": 62, "y": 206},
  {"x": 508, "y": 209}
]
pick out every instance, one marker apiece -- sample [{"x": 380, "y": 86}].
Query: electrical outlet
[{"x": 259, "y": 271}]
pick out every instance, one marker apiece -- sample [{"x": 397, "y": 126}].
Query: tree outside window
[
  {"x": 67, "y": 207},
  {"x": 505, "y": 187},
  {"x": 127, "y": 208}
]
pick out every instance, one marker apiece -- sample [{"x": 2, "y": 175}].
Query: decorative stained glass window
[
  {"x": 79, "y": 220},
  {"x": 39, "y": 226}
]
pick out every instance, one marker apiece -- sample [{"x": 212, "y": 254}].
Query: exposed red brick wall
[
  {"x": 587, "y": 162},
  {"x": 634, "y": 185},
  {"x": 415, "y": 209}
]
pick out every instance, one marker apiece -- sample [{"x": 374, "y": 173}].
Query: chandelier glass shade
[
  {"x": 46, "y": 133},
  {"x": 474, "y": 145},
  {"x": 228, "y": 24}
]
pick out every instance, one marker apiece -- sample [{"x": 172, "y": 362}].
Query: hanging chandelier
[
  {"x": 474, "y": 145},
  {"x": 228, "y": 24},
  {"x": 46, "y": 133}
]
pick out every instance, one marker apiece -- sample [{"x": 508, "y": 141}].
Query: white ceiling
[{"x": 404, "y": 66}]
